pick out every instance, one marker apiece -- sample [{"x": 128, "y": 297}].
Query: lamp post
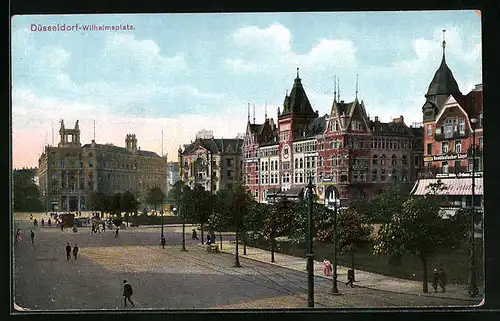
[
  {"x": 236, "y": 254},
  {"x": 310, "y": 254},
  {"x": 335, "y": 202},
  {"x": 161, "y": 212},
  {"x": 472, "y": 287}
]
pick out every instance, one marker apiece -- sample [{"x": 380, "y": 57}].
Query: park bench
[{"x": 212, "y": 248}]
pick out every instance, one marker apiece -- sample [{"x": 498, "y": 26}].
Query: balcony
[{"x": 450, "y": 136}]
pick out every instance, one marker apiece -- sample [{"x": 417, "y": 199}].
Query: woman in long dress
[{"x": 18, "y": 234}]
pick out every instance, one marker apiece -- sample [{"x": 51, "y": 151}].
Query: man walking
[
  {"x": 68, "y": 251},
  {"x": 75, "y": 251},
  {"x": 116, "y": 233},
  {"x": 163, "y": 241},
  {"x": 32, "y": 237},
  {"x": 442, "y": 279},
  {"x": 127, "y": 293}
]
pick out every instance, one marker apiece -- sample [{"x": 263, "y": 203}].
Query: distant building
[
  {"x": 205, "y": 134},
  {"x": 69, "y": 172},
  {"x": 345, "y": 150},
  {"x": 212, "y": 163},
  {"x": 172, "y": 175}
]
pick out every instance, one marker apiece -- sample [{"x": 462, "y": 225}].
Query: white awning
[{"x": 454, "y": 186}]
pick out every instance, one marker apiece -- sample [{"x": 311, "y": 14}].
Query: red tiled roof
[{"x": 454, "y": 186}]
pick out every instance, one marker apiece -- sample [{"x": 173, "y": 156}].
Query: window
[
  {"x": 313, "y": 162},
  {"x": 62, "y": 163},
  {"x": 374, "y": 175},
  {"x": 429, "y": 130},
  {"x": 90, "y": 163},
  {"x": 416, "y": 160},
  {"x": 481, "y": 143},
  {"x": 444, "y": 167},
  {"x": 457, "y": 166},
  {"x": 394, "y": 160},
  {"x": 301, "y": 162},
  {"x": 405, "y": 160},
  {"x": 382, "y": 160},
  {"x": 458, "y": 146},
  {"x": 429, "y": 149},
  {"x": 301, "y": 177},
  {"x": 444, "y": 147},
  {"x": 382, "y": 175},
  {"x": 462, "y": 126}
]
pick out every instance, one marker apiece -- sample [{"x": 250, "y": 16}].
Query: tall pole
[
  {"x": 472, "y": 286},
  {"x": 236, "y": 254},
  {"x": 310, "y": 254},
  {"x": 335, "y": 289},
  {"x": 161, "y": 212}
]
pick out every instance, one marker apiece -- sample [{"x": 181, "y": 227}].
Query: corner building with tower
[{"x": 345, "y": 148}]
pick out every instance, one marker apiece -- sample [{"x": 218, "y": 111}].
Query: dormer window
[{"x": 462, "y": 126}]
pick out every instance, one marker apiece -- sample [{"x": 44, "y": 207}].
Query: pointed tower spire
[
  {"x": 286, "y": 92},
  {"x": 338, "y": 89},
  {"x": 356, "y": 86},
  {"x": 298, "y": 73},
  {"x": 335, "y": 88},
  {"x": 265, "y": 115},
  {"x": 444, "y": 44},
  {"x": 248, "y": 112},
  {"x": 254, "y": 113}
]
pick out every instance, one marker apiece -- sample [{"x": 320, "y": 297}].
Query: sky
[{"x": 181, "y": 73}]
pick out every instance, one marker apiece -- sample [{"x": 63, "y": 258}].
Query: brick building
[
  {"x": 345, "y": 149},
  {"x": 447, "y": 115}
]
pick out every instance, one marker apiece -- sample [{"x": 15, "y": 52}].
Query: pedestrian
[
  {"x": 194, "y": 236},
  {"x": 49, "y": 223},
  {"x": 163, "y": 241},
  {"x": 31, "y": 216},
  {"x": 62, "y": 226},
  {"x": 93, "y": 228},
  {"x": 35, "y": 223},
  {"x": 18, "y": 235},
  {"x": 43, "y": 222},
  {"x": 116, "y": 233},
  {"x": 104, "y": 226},
  {"x": 212, "y": 236},
  {"x": 350, "y": 277},
  {"x": 442, "y": 279},
  {"x": 32, "y": 237},
  {"x": 327, "y": 267},
  {"x": 68, "y": 251},
  {"x": 75, "y": 251},
  {"x": 127, "y": 293},
  {"x": 435, "y": 280}
]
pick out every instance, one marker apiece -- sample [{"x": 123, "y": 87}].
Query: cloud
[
  {"x": 35, "y": 117},
  {"x": 269, "y": 51}
]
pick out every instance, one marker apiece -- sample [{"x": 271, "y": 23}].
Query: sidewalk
[{"x": 363, "y": 279}]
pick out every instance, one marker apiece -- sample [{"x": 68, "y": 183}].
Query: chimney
[{"x": 376, "y": 118}]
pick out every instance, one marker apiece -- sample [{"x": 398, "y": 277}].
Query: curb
[{"x": 362, "y": 286}]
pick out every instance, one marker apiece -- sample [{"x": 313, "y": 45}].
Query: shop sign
[{"x": 449, "y": 157}]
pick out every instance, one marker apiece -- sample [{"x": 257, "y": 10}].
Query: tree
[
  {"x": 114, "y": 204},
  {"x": 155, "y": 197},
  {"x": 221, "y": 216},
  {"x": 421, "y": 230},
  {"x": 129, "y": 204},
  {"x": 202, "y": 206},
  {"x": 97, "y": 201},
  {"x": 239, "y": 201},
  {"x": 323, "y": 222},
  {"x": 387, "y": 204},
  {"x": 174, "y": 195},
  {"x": 352, "y": 233},
  {"x": 278, "y": 222},
  {"x": 25, "y": 192}
]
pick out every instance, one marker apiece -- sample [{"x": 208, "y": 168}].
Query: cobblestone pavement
[{"x": 168, "y": 278}]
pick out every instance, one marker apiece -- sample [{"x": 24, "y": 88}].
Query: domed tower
[{"x": 442, "y": 85}]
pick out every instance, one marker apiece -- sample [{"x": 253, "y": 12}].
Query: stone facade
[
  {"x": 69, "y": 172},
  {"x": 213, "y": 163}
]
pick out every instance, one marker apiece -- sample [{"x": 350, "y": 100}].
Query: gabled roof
[
  {"x": 316, "y": 127},
  {"x": 390, "y": 129},
  {"x": 122, "y": 150},
  {"x": 215, "y": 145},
  {"x": 342, "y": 107},
  {"x": 256, "y": 129},
  {"x": 297, "y": 102}
]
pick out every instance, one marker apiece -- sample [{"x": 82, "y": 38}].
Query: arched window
[
  {"x": 394, "y": 160},
  {"x": 374, "y": 175},
  {"x": 382, "y": 160},
  {"x": 374, "y": 159},
  {"x": 405, "y": 160},
  {"x": 394, "y": 175},
  {"x": 296, "y": 163}
]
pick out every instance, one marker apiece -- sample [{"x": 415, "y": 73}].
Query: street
[{"x": 167, "y": 278}]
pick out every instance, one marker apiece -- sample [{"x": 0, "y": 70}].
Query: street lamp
[
  {"x": 236, "y": 254},
  {"x": 333, "y": 199},
  {"x": 310, "y": 254},
  {"x": 176, "y": 209},
  {"x": 161, "y": 212},
  {"x": 472, "y": 287}
]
